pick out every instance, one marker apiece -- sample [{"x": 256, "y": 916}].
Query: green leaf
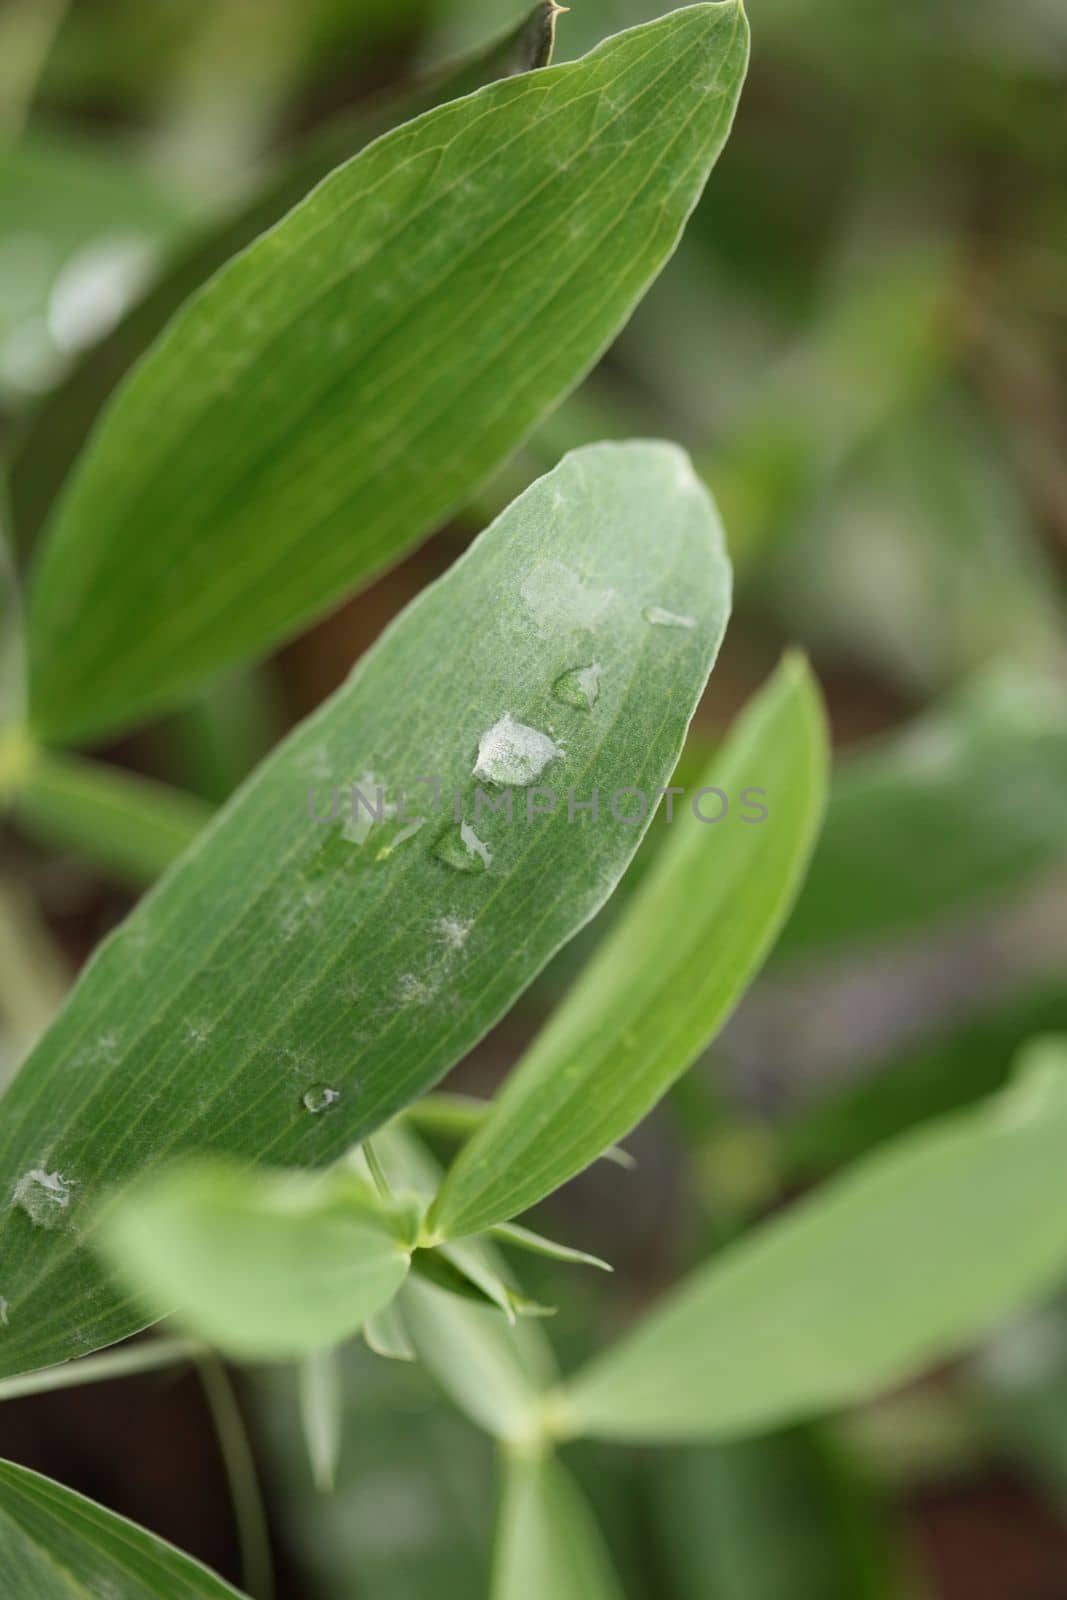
[
  {"x": 548, "y": 1542},
  {"x": 264, "y": 1265},
  {"x": 458, "y": 1116},
  {"x": 710, "y": 906},
  {"x": 386, "y": 1335},
  {"x": 55, "y": 1545},
  {"x": 61, "y": 424},
  {"x": 338, "y": 389},
  {"x": 871, "y": 1280},
  {"x": 988, "y": 770},
  {"x": 538, "y": 1245},
  {"x": 320, "y": 1412},
  {"x": 494, "y": 1372},
  {"x": 285, "y": 990},
  {"x": 128, "y": 824},
  {"x": 475, "y": 1356}
]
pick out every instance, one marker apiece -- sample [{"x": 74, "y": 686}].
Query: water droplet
[
  {"x": 580, "y": 687},
  {"x": 660, "y": 618},
  {"x": 4, "y": 1319},
  {"x": 462, "y": 849},
  {"x": 320, "y": 1097},
  {"x": 44, "y": 1196},
  {"x": 513, "y": 754}
]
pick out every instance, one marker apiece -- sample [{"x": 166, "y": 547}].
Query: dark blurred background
[{"x": 862, "y": 341}]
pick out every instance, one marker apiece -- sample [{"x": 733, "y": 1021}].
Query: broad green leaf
[
  {"x": 61, "y": 424},
  {"x": 710, "y": 908},
  {"x": 966, "y": 806},
  {"x": 915, "y": 1253},
  {"x": 286, "y": 989},
  {"x": 547, "y": 1540},
  {"x": 125, "y": 823},
  {"x": 342, "y": 385},
  {"x": 264, "y": 1265},
  {"x": 55, "y": 1545}
]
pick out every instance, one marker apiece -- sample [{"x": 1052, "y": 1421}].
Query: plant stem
[
  {"x": 145, "y": 1357},
  {"x": 17, "y": 756},
  {"x": 130, "y": 825},
  {"x": 377, "y": 1171},
  {"x": 257, "y": 1565}
]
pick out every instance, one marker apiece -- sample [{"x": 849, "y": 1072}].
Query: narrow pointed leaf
[
  {"x": 56, "y": 1545},
  {"x": 458, "y": 1116},
  {"x": 264, "y": 1265},
  {"x": 287, "y": 989},
  {"x": 711, "y": 907},
  {"x": 475, "y": 1356},
  {"x": 493, "y": 1371},
  {"x": 338, "y": 389},
  {"x": 320, "y": 1413},
  {"x": 538, "y": 1245},
  {"x": 548, "y": 1542},
  {"x": 868, "y": 1282},
  {"x": 61, "y": 424}
]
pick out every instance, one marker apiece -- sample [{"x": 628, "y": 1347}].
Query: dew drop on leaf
[
  {"x": 320, "y": 1097},
  {"x": 511, "y": 753},
  {"x": 44, "y": 1196},
  {"x": 462, "y": 849},
  {"x": 580, "y": 687},
  {"x": 660, "y": 618}
]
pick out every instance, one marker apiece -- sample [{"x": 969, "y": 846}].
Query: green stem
[
  {"x": 17, "y": 756},
  {"x": 377, "y": 1171},
  {"x": 33, "y": 971},
  {"x": 131, "y": 826},
  {"x": 257, "y": 1565},
  {"x": 146, "y": 1357}
]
